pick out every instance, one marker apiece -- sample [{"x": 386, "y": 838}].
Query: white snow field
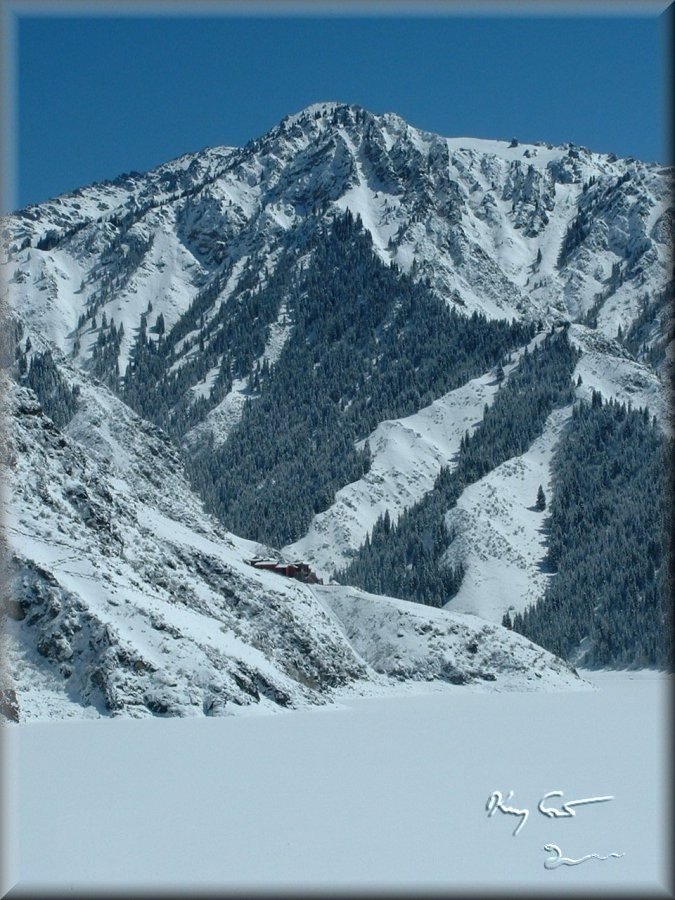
[{"x": 380, "y": 793}]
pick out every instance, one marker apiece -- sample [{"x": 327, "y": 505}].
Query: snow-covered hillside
[
  {"x": 500, "y": 536},
  {"x": 410, "y": 642},
  {"x": 127, "y": 598},
  {"x": 407, "y": 455}
]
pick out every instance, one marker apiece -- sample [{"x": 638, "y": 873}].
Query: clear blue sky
[{"x": 99, "y": 96}]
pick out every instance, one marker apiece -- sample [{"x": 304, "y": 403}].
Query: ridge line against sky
[{"x": 88, "y": 97}]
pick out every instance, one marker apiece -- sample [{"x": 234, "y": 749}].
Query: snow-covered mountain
[
  {"x": 507, "y": 229},
  {"x": 181, "y": 293}
]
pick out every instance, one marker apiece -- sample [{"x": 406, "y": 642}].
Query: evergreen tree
[
  {"x": 56, "y": 398},
  {"x": 541, "y": 499}
]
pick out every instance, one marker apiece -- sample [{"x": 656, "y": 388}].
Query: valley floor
[{"x": 382, "y": 793}]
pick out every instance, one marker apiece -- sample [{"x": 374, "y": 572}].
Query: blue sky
[{"x": 99, "y": 96}]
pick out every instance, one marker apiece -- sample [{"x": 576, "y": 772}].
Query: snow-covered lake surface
[{"x": 382, "y": 792}]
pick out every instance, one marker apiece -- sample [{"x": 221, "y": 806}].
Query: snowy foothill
[
  {"x": 385, "y": 792},
  {"x": 130, "y": 599}
]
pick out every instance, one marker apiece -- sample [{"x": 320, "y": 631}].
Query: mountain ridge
[{"x": 402, "y": 150}]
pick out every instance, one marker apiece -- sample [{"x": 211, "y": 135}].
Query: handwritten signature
[
  {"x": 559, "y": 860},
  {"x": 565, "y": 809},
  {"x": 496, "y": 801}
]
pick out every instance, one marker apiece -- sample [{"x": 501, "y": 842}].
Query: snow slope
[
  {"x": 128, "y": 599},
  {"x": 500, "y": 535},
  {"x": 385, "y": 794},
  {"x": 418, "y": 643},
  {"x": 606, "y": 367}
]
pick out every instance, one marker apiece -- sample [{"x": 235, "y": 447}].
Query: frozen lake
[{"x": 378, "y": 793}]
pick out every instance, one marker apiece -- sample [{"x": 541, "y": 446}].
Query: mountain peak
[
  {"x": 316, "y": 111},
  {"x": 325, "y": 106}
]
